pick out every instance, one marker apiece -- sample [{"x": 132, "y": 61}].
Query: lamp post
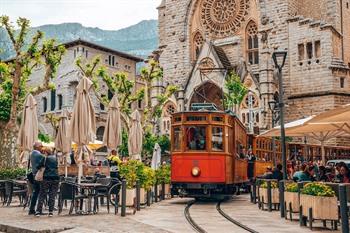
[
  {"x": 273, "y": 105},
  {"x": 279, "y": 58}
]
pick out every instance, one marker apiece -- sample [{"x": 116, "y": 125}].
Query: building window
[
  {"x": 110, "y": 95},
  {"x": 170, "y": 109},
  {"x": 309, "y": 50},
  {"x": 198, "y": 42},
  {"x": 342, "y": 82},
  {"x": 86, "y": 54},
  {"x": 102, "y": 106},
  {"x": 111, "y": 60},
  {"x": 253, "y": 43},
  {"x": 243, "y": 117},
  {"x": 139, "y": 104},
  {"x": 53, "y": 100},
  {"x": 78, "y": 49},
  {"x": 318, "y": 49},
  {"x": 301, "y": 51},
  {"x": 75, "y": 53},
  {"x": 99, "y": 133},
  {"x": 44, "y": 104},
  {"x": 60, "y": 102},
  {"x": 83, "y": 49}
]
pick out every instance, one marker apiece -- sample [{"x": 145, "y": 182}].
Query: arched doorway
[
  {"x": 99, "y": 136},
  {"x": 208, "y": 92}
]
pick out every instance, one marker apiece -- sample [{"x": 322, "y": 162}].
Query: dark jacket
[
  {"x": 51, "y": 167},
  {"x": 35, "y": 159},
  {"x": 277, "y": 174}
]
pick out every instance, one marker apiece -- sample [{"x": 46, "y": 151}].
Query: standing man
[{"x": 35, "y": 159}]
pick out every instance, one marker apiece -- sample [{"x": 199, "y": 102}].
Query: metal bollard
[
  {"x": 123, "y": 209},
  {"x": 343, "y": 208},
  {"x": 254, "y": 191},
  {"x": 148, "y": 197},
  {"x": 138, "y": 195},
  {"x": 156, "y": 193},
  {"x": 163, "y": 191},
  {"x": 282, "y": 204},
  {"x": 269, "y": 196}
]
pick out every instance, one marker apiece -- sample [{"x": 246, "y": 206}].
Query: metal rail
[
  {"x": 189, "y": 219},
  {"x": 218, "y": 208}
]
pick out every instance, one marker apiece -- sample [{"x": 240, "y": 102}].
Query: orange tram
[{"x": 206, "y": 154}]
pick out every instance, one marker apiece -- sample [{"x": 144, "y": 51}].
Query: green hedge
[{"x": 11, "y": 173}]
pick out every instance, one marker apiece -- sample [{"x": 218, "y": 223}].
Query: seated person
[{"x": 268, "y": 174}]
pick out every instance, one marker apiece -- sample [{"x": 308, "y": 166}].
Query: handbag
[{"x": 39, "y": 176}]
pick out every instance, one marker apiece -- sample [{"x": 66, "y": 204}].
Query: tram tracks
[{"x": 199, "y": 229}]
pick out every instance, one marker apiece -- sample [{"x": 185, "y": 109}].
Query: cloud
[{"x": 105, "y": 14}]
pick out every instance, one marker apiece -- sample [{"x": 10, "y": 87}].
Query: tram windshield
[
  {"x": 217, "y": 143},
  {"x": 196, "y": 137}
]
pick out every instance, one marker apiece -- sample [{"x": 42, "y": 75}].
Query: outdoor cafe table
[{"x": 90, "y": 189}]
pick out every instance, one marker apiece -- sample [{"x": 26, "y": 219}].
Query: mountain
[{"x": 139, "y": 39}]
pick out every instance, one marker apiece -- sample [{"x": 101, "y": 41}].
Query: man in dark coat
[
  {"x": 277, "y": 173},
  {"x": 35, "y": 159}
]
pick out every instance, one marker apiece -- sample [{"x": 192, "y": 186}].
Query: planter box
[
  {"x": 143, "y": 198},
  {"x": 130, "y": 197},
  {"x": 292, "y": 198},
  {"x": 167, "y": 189},
  {"x": 323, "y": 208},
  {"x": 274, "y": 195}
]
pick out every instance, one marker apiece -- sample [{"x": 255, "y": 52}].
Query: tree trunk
[{"x": 8, "y": 150}]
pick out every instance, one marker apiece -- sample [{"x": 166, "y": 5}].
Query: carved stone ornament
[
  {"x": 206, "y": 65},
  {"x": 222, "y": 18}
]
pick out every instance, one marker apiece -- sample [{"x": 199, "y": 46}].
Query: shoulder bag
[{"x": 39, "y": 176}]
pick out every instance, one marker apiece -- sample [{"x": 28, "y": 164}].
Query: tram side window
[
  {"x": 217, "y": 142},
  {"x": 196, "y": 138},
  {"x": 177, "y": 139}
]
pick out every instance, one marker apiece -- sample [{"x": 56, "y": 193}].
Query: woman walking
[{"x": 49, "y": 185}]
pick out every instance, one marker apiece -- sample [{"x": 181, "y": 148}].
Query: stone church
[{"x": 201, "y": 41}]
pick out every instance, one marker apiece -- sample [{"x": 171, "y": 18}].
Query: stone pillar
[{"x": 181, "y": 101}]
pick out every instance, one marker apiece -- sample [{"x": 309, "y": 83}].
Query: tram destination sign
[{"x": 203, "y": 107}]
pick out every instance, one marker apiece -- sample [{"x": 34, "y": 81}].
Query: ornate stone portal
[{"x": 222, "y": 18}]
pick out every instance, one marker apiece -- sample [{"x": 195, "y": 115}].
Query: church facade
[{"x": 201, "y": 41}]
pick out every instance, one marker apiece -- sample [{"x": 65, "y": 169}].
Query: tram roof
[{"x": 229, "y": 112}]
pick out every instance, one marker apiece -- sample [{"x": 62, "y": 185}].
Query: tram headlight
[{"x": 196, "y": 171}]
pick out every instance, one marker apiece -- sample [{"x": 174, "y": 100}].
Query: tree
[
  {"x": 236, "y": 91},
  {"x": 14, "y": 75},
  {"x": 119, "y": 84}
]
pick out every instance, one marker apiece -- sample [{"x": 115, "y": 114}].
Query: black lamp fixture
[
  {"x": 279, "y": 58},
  {"x": 273, "y": 105}
]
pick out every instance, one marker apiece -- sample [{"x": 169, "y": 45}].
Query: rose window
[{"x": 223, "y": 18}]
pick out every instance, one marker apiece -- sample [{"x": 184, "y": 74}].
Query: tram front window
[
  {"x": 196, "y": 138},
  {"x": 177, "y": 139},
  {"x": 216, "y": 139}
]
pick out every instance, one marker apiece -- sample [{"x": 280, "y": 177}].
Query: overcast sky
[{"x": 105, "y": 14}]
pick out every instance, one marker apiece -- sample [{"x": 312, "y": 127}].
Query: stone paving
[{"x": 166, "y": 216}]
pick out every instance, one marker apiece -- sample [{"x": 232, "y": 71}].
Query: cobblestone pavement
[{"x": 166, "y": 216}]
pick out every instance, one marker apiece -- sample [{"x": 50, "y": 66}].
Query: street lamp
[
  {"x": 279, "y": 58},
  {"x": 273, "y": 105}
]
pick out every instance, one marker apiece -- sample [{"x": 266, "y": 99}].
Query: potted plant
[
  {"x": 321, "y": 199},
  {"x": 128, "y": 171},
  {"x": 274, "y": 192},
  {"x": 147, "y": 183},
  {"x": 167, "y": 178},
  {"x": 291, "y": 197}
]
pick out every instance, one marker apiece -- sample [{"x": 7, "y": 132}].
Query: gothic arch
[
  {"x": 197, "y": 42},
  {"x": 207, "y": 92},
  {"x": 252, "y": 42}
]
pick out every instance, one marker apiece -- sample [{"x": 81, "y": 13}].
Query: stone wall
[
  {"x": 67, "y": 78},
  {"x": 311, "y": 85}
]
